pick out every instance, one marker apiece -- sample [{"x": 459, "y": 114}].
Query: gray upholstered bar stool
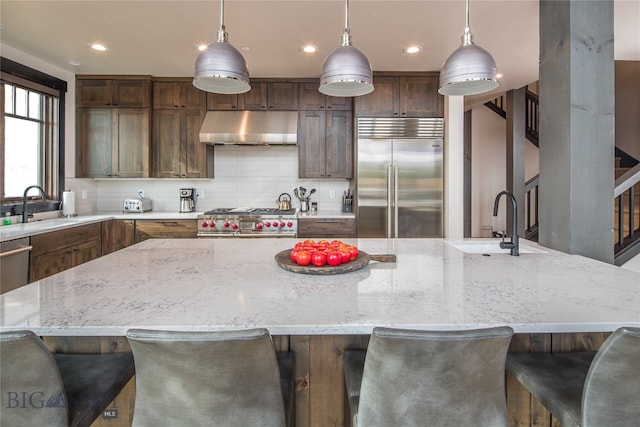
[
  {"x": 229, "y": 378},
  {"x": 435, "y": 378},
  {"x": 44, "y": 389},
  {"x": 589, "y": 389}
]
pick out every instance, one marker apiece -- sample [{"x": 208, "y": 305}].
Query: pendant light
[
  {"x": 346, "y": 71},
  {"x": 221, "y": 68},
  {"x": 469, "y": 70}
]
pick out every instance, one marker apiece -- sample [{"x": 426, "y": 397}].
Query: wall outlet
[
  {"x": 332, "y": 194},
  {"x": 199, "y": 194},
  {"x": 141, "y": 194}
]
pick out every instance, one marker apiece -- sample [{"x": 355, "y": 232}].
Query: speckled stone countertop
[{"x": 216, "y": 284}]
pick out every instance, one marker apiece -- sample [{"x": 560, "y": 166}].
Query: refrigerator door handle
[
  {"x": 395, "y": 200},
  {"x": 390, "y": 226}
]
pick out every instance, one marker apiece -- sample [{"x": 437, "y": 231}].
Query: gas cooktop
[{"x": 250, "y": 211}]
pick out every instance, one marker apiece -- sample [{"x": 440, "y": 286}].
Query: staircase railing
[
  {"x": 532, "y": 113},
  {"x": 627, "y": 218},
  {"x": 531, "y": 209}
]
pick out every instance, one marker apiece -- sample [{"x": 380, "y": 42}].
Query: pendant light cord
[
  {"x": 346, "y": 36},
  {"x": 467, "y": 11},
  {"x": 346, "y": 15},
  {"x": 222, "y": 32}
]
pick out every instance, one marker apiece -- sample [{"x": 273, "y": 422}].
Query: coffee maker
[{"x": 187, "y": 200}]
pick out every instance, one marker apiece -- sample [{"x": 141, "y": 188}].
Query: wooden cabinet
[
  {"x": 222, "y": 101},
  {"x": 165, "y": 229},
  {"x": 117, "y": 234},
  {"x": 112, "y": 142},
  {"x": 60, "y": 250},
  {"x": 309, "y": 227},
  {"x": 325, "y": 144},
  {"x": 177, "y": 150},
  {"x": 263, "y": 96},
  {"x": 178, "y": 95},
  {"x": 116, "y": 92},
  {"x": 310, "y": 99},
  {"x": 402, "y": 96}
]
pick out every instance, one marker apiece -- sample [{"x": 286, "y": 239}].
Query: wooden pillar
[
  {"x": 516, "y": 140},
  {"x": 468, "y": 187},
  {"x": 577, "y": 127}
]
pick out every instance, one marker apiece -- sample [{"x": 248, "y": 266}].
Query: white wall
[
  {"x": 244, "y": 176},
  {"x": 488, "y": 169}
]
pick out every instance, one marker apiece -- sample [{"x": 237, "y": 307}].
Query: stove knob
[
  {"x": 204, "y": 224},
  {"x": 226, "y": 224},
  {"x": 259, "y": 226},
  {"x": 267, "y": 224},
  {"x": 212, "y": 224},
  {"x": 289, "y": 224},
  {"x": 282, "y": 224},
  {"x": 234, "y": 226}
]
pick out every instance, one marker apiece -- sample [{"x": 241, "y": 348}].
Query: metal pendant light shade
[
  {"x": 221, "y": 68},
  {"x": 346, "y": 71},
  {"x": 469, "y": 70}
]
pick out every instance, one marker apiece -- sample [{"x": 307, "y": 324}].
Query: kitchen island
[{"x": 216, "y": 284}]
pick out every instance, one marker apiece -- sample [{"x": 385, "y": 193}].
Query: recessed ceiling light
[
  {"x": 413, "y": 49},
  {"x": 75, "y": 63},
  {"x": 499, "y": 75},
  {"x": 245, "y": 48},
  {"x": 202, "y": 47},
  {"x": 309, "y": 48},
  {"x": 98, "y": 46}
]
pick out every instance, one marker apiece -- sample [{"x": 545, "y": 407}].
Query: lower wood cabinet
[
  {"x": 117, "y": 234},
  {"x": 326, "y": 227},
  {"x": 60, "y": 250},
  {"x": 165, "y": 229}
]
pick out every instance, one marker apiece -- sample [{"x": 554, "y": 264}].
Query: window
[{"x": 31, "y": 147}]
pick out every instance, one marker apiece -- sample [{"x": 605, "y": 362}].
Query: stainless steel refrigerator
[{"x": 399, "y": 178}]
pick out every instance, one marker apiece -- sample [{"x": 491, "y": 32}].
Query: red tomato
[
  {"x": 294, "y": 254},
  {"x": 303, "y": 258},
  {"x": 345, "y": 255},
  {"x": 334, "y": 258},
  {"x": 353, "y": 251},
  {"x": 318, "y": 259}
]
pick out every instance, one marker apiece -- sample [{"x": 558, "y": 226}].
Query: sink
[{"x": 488, "y": 247}]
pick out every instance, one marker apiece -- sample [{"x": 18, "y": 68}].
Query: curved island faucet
[{"x": 514, "y": 244}]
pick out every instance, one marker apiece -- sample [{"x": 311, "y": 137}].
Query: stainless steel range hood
[{"x": 250, "y": 128}]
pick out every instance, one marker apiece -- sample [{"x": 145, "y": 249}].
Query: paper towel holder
[{"x": 67, "y": 207}]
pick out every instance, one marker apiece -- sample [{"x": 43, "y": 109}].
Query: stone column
[{"x": 577, "y": 127}]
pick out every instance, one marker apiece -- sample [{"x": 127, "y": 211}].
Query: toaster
[{"x": 137, "y": 205}]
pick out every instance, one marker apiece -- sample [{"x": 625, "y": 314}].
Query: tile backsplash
[{"x": 244, "y": 176}]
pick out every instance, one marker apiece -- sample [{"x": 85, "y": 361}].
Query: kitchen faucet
[
  {"x": 513, "y": 244},
  {"x": 25, "y": 214}
]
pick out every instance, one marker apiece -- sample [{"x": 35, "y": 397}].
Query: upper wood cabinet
[
  {"x": 310, "y": 99},
  {"x": 178, "y": 95},
  {"x": 177, "y": 150},
  {"x": 112, "y": 142},
  {"x": 263, "y": 96},
  {"x": 120, "y": 92},
  {"x": 222, "y": 101},
  {"x": 325, "y": 144},
  {"x": 402, "y": 96}
]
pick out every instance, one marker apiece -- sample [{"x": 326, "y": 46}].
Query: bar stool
[
  {"x": 40, "y": 388},
  {"x": 229, "y": 378},
  {"x": 587, "y": 389},
  {"x": 439, "y": 378}
]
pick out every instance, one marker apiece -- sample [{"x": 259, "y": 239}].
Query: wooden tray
[{"x": 284, "y": 260}]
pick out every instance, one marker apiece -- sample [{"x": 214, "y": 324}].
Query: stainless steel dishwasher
[{"x": 14, "y": 263}]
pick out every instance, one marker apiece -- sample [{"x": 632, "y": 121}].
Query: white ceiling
[{"x": 159, "y": 38}]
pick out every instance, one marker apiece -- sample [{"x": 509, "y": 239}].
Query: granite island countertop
[{"x": 216, "y": 284}]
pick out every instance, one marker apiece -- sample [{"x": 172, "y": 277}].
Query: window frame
[{"x": 54, "y": 168}]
